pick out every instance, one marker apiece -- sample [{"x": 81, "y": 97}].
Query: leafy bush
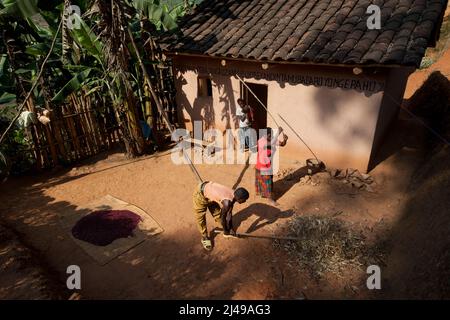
[{"x": 16, "y": 157}]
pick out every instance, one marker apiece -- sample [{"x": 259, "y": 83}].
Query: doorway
[{"x": 259, "y": 112}]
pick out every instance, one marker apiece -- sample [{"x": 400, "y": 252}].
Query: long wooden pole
[
  {"x": 257, "y": 236},
  {"x": 158, "y": 103}
]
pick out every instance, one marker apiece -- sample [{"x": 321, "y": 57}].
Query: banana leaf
[
  {"x": 75, "y": 84},
  {"x": 158, "y": 13},
  {"x": 23, "y": 8},
  {"x": 3, "y": 59},
  {"x": 7, "y": 98},
  {"x": 37, "y": 49},
  {"x": 86, "y": 39}
]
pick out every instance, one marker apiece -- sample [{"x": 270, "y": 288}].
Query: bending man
[{"x": 219, "y": 200}]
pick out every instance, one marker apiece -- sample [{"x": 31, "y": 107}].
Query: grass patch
[
  {"x": 329, "y": 245},
  {"x": 433, "y": 54}
]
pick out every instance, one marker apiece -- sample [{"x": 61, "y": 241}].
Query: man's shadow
[{"x": 265, "y": 214}]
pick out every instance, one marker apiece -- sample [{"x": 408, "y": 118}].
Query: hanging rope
[
  {"x": 159, "y": 106},
  {"x": 298, "y": 136},
  {"x": 273, "y": 118}
]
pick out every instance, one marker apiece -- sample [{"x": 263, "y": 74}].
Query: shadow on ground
[{"x": 266, "y": 215}]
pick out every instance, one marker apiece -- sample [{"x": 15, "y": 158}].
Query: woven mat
[{"x": 104, "y": 254}]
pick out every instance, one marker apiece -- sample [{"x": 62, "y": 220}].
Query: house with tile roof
[{"x": 319, "y": 64}]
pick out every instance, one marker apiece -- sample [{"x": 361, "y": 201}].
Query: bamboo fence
[
  {"x": 87, "y": 125},
  {"x": 76, "y": 131}
]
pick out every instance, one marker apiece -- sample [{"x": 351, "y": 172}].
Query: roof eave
[{"x": 366, "y": 65}]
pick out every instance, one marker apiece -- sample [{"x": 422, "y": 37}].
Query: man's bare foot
[
  {"x": 207, "y": 245},
  {"x": 230, "y": 234}
]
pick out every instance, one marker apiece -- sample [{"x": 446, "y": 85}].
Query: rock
[
  {"x": 370, "y": 180},
  {"x": 334, "y": 172},
  {"x": 305, "y": 179},
  {"x": 357, "y": 184},
  {"x": 370, "y": 189},
  {"x": 319, "y": 177},
  {"x": 342, "y": 174},
  {"x": 357, "y": 174},
  {"x": 350, "y": 171},
  {"x": 366, "y": 176}
]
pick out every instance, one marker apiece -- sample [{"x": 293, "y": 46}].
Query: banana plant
[
  {"x": 164, "y": 14},
  {"x": 86, "y": 39},
  {"x": 74, "y": 85},
  {"x": 22, "y": 8},
  {"x": 91, "y": 60}
]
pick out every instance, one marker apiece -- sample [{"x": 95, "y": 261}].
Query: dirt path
[{"x": 24, "y": 274}]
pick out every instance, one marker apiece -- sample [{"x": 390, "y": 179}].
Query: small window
[{"x": 204, "y": 87}]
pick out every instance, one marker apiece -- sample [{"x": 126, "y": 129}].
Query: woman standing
[{"x": 264, "y": 163}]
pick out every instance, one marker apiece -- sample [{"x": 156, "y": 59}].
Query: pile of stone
[
  {"x": 353, "y": 177},
  {"x": 306, "y": 180},
  {"x": 286, "y": 174},
  {"x": 315, "y": 179}
]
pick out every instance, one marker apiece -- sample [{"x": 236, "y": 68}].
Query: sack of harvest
[
  {"x": 26, "y": 119},
  {"x": 44, "y": 120}
]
